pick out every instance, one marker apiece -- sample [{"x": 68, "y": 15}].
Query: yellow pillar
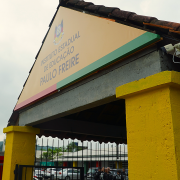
[
  {"x": 20, "y": 148},
  {"x": 153, "y": 126},
  {"x": 74, "y": 163}
]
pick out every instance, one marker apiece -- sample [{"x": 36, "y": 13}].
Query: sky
[{"x": 23, "y": 27}]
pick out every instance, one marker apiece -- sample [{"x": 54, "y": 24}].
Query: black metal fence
[
  {"x": 27, "y": 172},
  {"x": 57, "y": 152},
  {"x": 72, "y": 159}
]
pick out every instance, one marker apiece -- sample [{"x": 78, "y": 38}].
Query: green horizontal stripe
[{"x": 123, "y": 51}]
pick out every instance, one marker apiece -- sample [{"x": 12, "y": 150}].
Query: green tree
[
  {"x": 73, "y": 147},
  {"x": 53, "y": 153}
]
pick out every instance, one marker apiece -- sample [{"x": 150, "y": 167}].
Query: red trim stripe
[{"x": 36, "y": 97}]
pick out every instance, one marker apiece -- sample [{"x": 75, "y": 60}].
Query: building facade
[{"x": 106, "y": 75}]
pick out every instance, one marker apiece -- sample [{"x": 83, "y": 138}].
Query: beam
[{"x": 83, "y": 127}]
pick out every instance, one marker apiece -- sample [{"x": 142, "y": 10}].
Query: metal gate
[
  {"x": 27, "y": 172},
  {"x": 56, "y": 159},
  {"x": 66, "y": 152}
]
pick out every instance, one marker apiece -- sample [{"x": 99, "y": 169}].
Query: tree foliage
[
  {"x": 73, "y": 147},
  {"x": 52, "y": 153}
]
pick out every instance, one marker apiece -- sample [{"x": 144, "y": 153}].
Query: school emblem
[{"x": 58, "y": 34}]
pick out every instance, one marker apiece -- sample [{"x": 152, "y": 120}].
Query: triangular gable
[{"x": 77, "y": 45}]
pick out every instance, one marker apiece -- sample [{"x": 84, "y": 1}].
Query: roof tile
[
  {"x": 121, "y": 14},
  {"x": 93, "y": 8},
  {"x": 106, "y": 10},
  {"x": 140, "y": 19},
  {"x": 82, "y": 4},
  {"x": 72, "y": 2}
]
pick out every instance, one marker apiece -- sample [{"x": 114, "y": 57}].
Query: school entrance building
[{"x": 104, "y": 75}]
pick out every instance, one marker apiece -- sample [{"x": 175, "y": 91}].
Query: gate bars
[
  {"x": 56, "y": 158},
  {"x": 28, "y": 172},
  {"x": 68, "y": 152}
]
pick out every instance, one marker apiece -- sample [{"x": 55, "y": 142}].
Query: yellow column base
[
  {"x": 20, "y": 149},
  {"x": 153, "y": 126}
]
